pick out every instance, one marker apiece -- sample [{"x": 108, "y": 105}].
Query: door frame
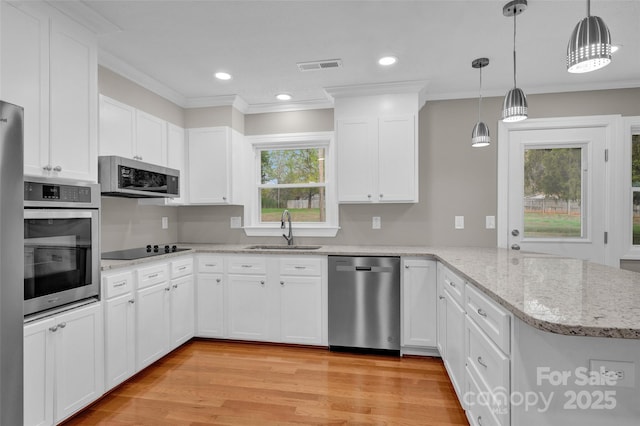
[{"x": 612, "y": 125}]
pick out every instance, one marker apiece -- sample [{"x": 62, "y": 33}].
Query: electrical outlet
[
  {"x": 459, "y": 222},
  {"x": 165, "y": 222},
  {"x": 622, "y": 373},
  {"x": 490, "y": 222},
  {"x": 376, "y": 224},
  {"x": 236, "y": 222}
]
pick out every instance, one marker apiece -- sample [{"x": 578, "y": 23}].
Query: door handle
[
  {"x": 515, "y": 247},
  {"x": 515, "y": 232}
]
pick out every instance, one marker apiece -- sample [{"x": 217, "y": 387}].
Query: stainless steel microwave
[{"x": 124, "y": 177}]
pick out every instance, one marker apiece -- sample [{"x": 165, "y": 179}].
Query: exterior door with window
[{"x": 554, "y": 193}]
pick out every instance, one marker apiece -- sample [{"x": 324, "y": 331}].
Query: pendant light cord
[
  {"x": 588, "y": 7},
  {"x": 514, "y": 48},
  {"x": 480, "y": 94}
]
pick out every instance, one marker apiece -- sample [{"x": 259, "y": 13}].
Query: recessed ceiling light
[
  {"x": 615, "y": 47},
  {"x": 387, "y": 60},
  {"x": 283, "y": 97},
  {"x": 223, "y": 76}
]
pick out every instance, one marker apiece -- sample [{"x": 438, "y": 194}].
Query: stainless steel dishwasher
[{"x": 364, "y": 303}]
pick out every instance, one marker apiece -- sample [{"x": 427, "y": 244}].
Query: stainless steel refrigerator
[{"x": 11, "y": 264}]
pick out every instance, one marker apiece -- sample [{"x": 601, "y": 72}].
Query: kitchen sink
[{"x": 282, "y": 247}]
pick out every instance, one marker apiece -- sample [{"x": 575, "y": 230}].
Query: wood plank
[{"x": 210, "y": 382}]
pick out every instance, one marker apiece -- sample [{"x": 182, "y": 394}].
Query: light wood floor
[{"x": 228, "y": 383}]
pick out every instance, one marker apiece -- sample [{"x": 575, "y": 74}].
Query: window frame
[
  {"x": 629, "y": 251},
  {"x": 252, "y": 215}
]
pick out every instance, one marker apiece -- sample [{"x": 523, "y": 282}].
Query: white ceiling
[{"x": 174, "y": 47}]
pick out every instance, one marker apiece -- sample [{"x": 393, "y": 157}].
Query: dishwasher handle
[{"x": 354, "y": 268}]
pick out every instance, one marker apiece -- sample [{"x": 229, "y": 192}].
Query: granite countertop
[{"x": 556, "y": 294}]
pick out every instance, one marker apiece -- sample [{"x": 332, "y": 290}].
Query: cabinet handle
[
  {"x": 282, "y": 283},
  {"x": 120, "y": 284},
  {"x": 57, "y": 169},
  {"x": 152, "y": 276},
  {"x": 167, "y": 289},
  {"x": 175, "y": 286},
  {"x": 218, "y": 280},
  {"x": 300, "y": 267},
  {"x": 246, "y": 266},
  {"x": 441, "y": 297},
  {"x": 132, "y": 301},
  {"x": 481, "y": 362},
  {"x": 224, "y": 198},
  {"x": 62, "y": 325},
  {"x": 381, "y": 195},
  {"x": 479, "y": 421},
  {"x": 482, "y": 313},
  {"x": 368, "y": 195},
  {"x": 406, "y": 266},
  {"x": 53, "y": 329},
  {"x": 140, "y": 157},
  {"x": 182, "y": 268},
  {"x": 210, "y": 264},
  {"x": 48, "y": 169},
  {"x": 261, "y": 282},
  {"x": 451, "y": 283}
]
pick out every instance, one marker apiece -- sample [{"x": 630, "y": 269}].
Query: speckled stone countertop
[{"x": 556, "y": 294}]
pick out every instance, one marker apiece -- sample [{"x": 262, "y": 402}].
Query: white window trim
[
  {"x": 628, "y": 250},
  {"x": 253, "y": 227}
]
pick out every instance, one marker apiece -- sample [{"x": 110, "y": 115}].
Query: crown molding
[
  {"x": 118, "y": 66},
  {"x": 415, "y": 86},
  {"x": 215, "y": 101},
  {"x": 289, "y": 106},
  {"x": 86, "y": 16}
]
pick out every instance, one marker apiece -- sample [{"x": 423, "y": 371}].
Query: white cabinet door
[
  {"x": 209, "y": 165},
  {"x": 79, "y": 359},
  {"x": 397, "y": 159},
  {"x": 301, "y": 309},
  {"x": 210, "y": 305},
  {"x": 151, "y": 139},
  {"x": 25, "y": 78},
  {"x": 74, "y": 101},
  {"x": 120, "y": 361},
  {"x": 248, "y": 307},
  {"x": 176, "y": 159},
  {"x": 454, "y": 359},
  {"x": 357, "y": 154},
  {"x": 117, "y": 128},
  {"x": 152, "y": 324},
  {"x": 38, "y": 373},
  {"x": 442, "y": 320},
  {"x": 182, "y": 312},
  {"x": 419, "y": 316}
]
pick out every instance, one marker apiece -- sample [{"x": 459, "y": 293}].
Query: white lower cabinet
[
  {"x": 120, "y": 358},
  {"x": 210, "y": 296},
  {"x": 454, "y": 360},
  {"x": 419, "y": 295},
  {"x": 152, "y": 324},
  {"x": 182, "y": 313},
  {"x": 63, "y": 364},
  {"x": 247, "y": 307}
]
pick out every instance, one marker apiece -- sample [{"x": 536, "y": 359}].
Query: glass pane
[
  {"x": 287, "y": 166},
  {"x": 636, "y": 218},
  {"x": 304, "y": 204},
  {"x": 553, "y": 193},
  {"x": 635, "y": 161}
]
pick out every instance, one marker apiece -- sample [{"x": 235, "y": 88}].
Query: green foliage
[
  {"x": 553, "y": 172},
  {"x": 635, "y": 160}
]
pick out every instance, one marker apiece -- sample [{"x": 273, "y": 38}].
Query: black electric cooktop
[{"x": 139, "y": 253}]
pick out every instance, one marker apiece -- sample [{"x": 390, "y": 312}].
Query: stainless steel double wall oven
[{"x": 61, "y": 243}]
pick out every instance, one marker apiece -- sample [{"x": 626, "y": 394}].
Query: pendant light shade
[
  {"x": 514, "y": 107},
  {"x": 480, "y": 134},
  {"x": 589, "y": 47}
]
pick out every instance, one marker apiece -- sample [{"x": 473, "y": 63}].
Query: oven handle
[{"x": 59, "y": 214}]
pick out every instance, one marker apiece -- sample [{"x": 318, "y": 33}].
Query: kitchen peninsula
[{"x": 556, "y": 317}]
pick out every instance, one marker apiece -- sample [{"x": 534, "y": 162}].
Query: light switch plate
[
  {"x": 165, "y": 222},
  {"x": 375, "y": 223},
  {"x": 459, "y": 222},
  {"x": 236, "y": 222},
  {"x": 490, "y": 222}
]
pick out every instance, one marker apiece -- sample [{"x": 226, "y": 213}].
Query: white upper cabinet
[
  {"x": 128, "y": 132},
  {"x": 49, "y": 67},
  {"x": 176, "y": 159},
  {"x": 377, "y": 140},
  {"x": 215, "y": 154}
]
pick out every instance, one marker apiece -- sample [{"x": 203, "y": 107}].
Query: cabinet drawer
[
  {"x": 486, "y": 359},
  {"x": 491, "y": 318},
  {"x": 117, "y": 284},
  {"x": 181, "y": 268},
  {"x": 480, "y": 407},
  {"x": 301, "y": 266},
  {"x": 247, "y": 265},
  {"x": 152, "y": 275},
  {"x": 210, "y": 264},
  {"x": 453, "y": 283}
]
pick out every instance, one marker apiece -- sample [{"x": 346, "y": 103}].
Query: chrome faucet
[{"x": 290, "y": 237}]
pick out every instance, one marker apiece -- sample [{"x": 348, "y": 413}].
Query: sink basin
[{"x": 282, "y": 247}]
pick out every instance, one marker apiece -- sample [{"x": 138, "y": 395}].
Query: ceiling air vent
[{"x": 320, "y": 65}]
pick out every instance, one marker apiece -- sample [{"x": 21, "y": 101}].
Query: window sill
[{"x": 299, "y": 230}]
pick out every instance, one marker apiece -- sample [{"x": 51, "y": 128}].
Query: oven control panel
[{"x": 38, "y": 194}]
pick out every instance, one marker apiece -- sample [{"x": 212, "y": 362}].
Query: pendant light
[
  {"x": 589, "y": 47},
  {"x": 480, "y": 134},
  {"x": 514, "y": 107}
]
